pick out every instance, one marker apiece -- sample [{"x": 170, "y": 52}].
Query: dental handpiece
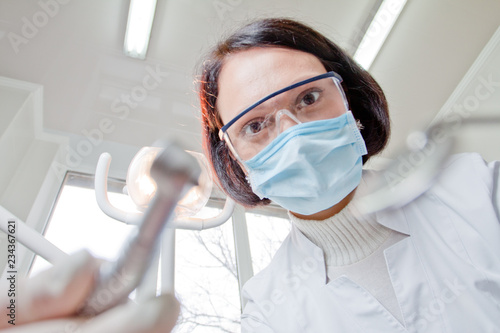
[
  {"x": 417, "y": 167},
  {"x": 174, "y": 171}
]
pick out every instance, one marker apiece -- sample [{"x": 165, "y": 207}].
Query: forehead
[{"x": 250, "y": 75}]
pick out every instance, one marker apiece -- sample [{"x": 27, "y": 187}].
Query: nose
[{"x": 284, "y": 120}]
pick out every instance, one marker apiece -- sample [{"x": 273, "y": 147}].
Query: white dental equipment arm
[
  {"x": 30, "y": 238},
  {"x": 173, "y": 170},
  {"x": 101, "y": 193},
  {"x": 190, "y": 223}
]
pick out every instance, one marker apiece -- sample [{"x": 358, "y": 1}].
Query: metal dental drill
[{"x": 174, "y": 171}]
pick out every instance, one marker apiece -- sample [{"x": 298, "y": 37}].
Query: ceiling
[{"x": 75, "y": 52}]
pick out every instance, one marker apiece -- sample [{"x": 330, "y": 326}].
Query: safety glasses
[{"x": 318, "y": 98}]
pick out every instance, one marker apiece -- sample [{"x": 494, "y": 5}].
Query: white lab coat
[{"x": 446, "y": 274}]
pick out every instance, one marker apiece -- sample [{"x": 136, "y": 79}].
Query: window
[
  {"x": 206, "y": 280},
  {"x": 265, "y": 233},
  {"x": 77, "y": 221},
  {"x": 206, "y": 274}
]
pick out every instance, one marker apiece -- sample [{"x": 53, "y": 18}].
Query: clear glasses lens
[{"x": 317, "y": 100}]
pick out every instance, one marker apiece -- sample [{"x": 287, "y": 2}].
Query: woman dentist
[{"x": 288, "y": 117}]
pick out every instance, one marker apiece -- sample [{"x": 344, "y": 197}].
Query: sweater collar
[{"x": 346, "y": 237}]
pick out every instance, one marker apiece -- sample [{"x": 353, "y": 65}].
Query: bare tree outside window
[{"x": 206, "y": 275}]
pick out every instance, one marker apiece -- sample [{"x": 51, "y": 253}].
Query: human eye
[
  {"x": 253, "y": 127},
  {"x": 308, "y": 98}
]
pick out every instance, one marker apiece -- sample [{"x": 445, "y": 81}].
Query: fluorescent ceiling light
[
  {"x": 377, "y": 32},
  {"x": 140, "y": 20}
]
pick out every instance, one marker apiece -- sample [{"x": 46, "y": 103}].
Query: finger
[
  {"x": 56, "y": 292},
  {"x": 49, "y": 326},
  {"x": 157, "y": 315}
]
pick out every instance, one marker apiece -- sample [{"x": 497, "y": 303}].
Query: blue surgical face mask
[{"x": 311, "y": 166}]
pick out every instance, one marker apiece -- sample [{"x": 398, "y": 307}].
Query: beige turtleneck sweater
[{"x": 353, "y": 245}]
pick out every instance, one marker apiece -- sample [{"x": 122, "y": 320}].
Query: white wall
[{"x": 34, "y": 161}]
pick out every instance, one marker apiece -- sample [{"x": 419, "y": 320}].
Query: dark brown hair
[{"x": 366, "y": 99}]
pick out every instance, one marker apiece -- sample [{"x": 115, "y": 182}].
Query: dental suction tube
[{"x": 174, "y": 171}]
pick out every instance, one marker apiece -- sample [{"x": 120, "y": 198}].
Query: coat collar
[
  {"x": 394, "y": 219},
  {"x": 304, "y": 251}
]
